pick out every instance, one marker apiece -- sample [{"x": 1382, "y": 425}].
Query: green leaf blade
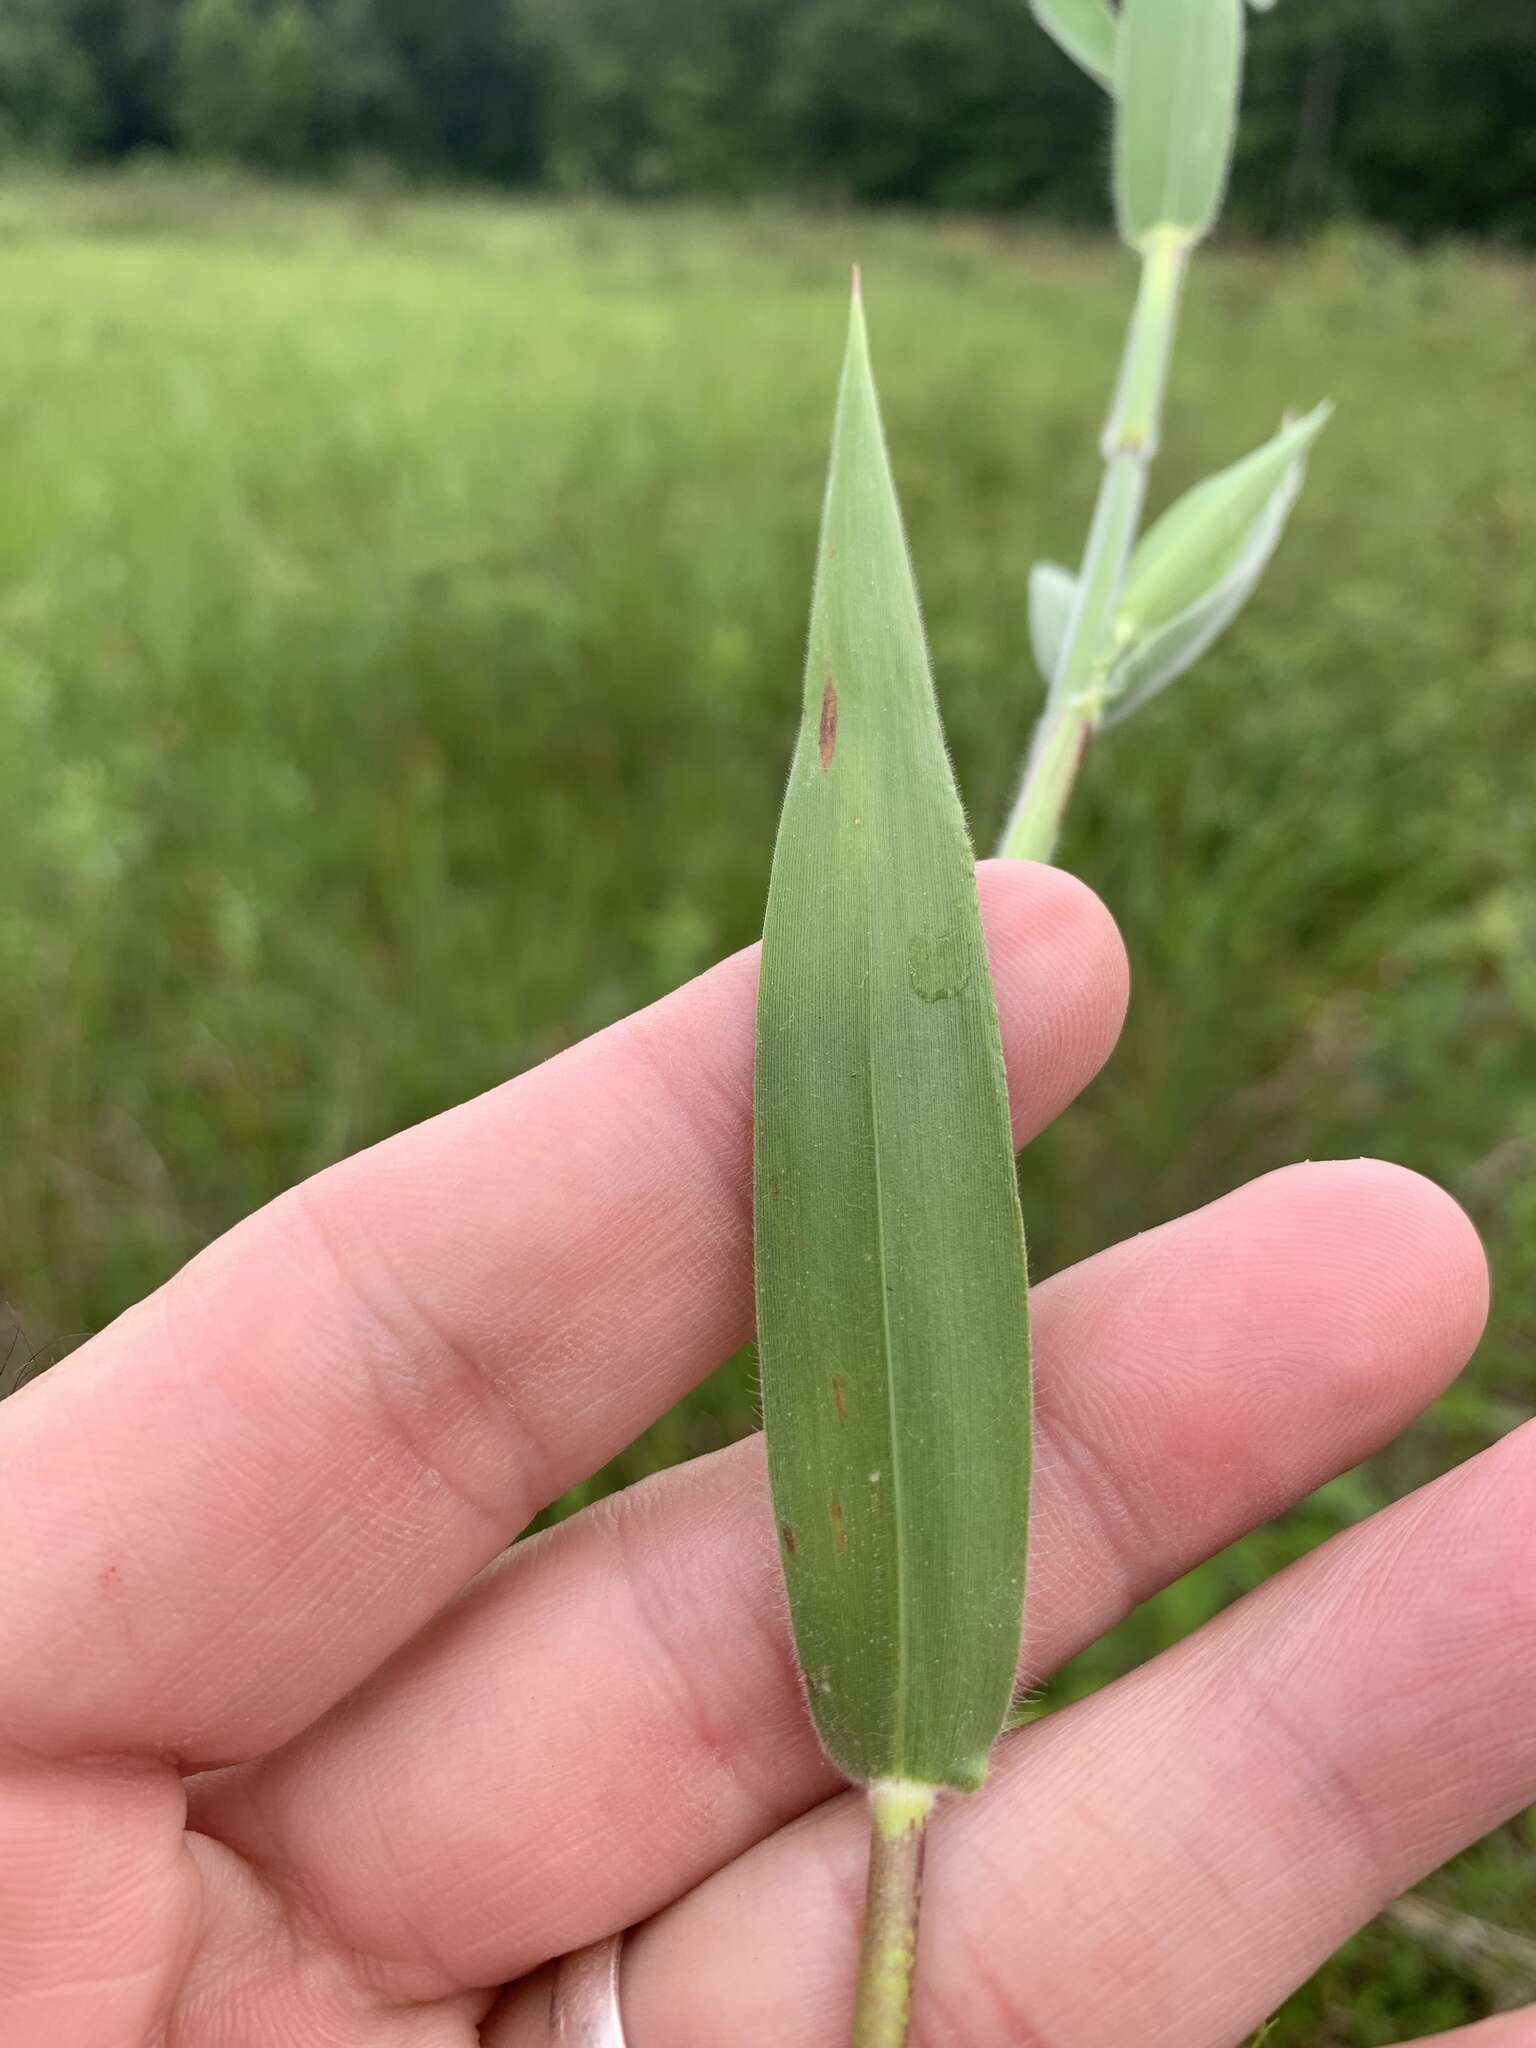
[
  {"x": 1178, "y": 69},
  {"x": 1052, "y": 594},
  {"x": 892, "y": 1288},
  {"x": 1167, "y": 651},
  {"x": 1200, "y": 541},
  {"x": 1086, "y": 30}
]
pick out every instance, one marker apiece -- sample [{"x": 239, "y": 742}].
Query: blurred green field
[{"x": 401, "y": 610}]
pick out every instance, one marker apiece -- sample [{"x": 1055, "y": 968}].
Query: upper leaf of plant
[
  {"x": 891, "y": 1280},
  {"x": 1199, "y": 541},
  {"x": 1178, "y": 65},
  {"x": 1086, "y": 30},
  {"x": 1164, "y": 653},
  {"x": 1052, "y": 594}
]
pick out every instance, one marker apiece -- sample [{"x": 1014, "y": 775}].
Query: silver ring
[{"x": 584, "y": 2006}]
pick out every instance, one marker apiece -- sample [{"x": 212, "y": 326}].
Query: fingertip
[
  {"x": 1062, "y": 978},
  {"x": 1380, "y": 1273},
  {"x": 1268, "y": 1341},
  {"x": 1505, "y": 2030},
  {"x": 1439, "y": 1239},
  {"x": 1410, "y": 1240}
]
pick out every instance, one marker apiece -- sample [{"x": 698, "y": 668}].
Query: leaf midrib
[{"x": 899, "y": 1724}]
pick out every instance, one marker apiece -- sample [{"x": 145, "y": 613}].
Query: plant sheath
[
  {"x": 1075, "y": 698},
  {"x": 897, "y": 1838}
]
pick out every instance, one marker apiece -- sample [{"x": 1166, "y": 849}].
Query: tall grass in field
[{"x": 398, "y": 606}]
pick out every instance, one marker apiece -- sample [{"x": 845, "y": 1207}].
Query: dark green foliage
[
  {"x": 286, "y": 85},
  {"x": 50, "y": 101},
  {"x": 679, "y": 97},
  {"x": 1415, "y": 114},
  {"x": 214, "y": 107},
  {"x": 131, "y": 45},
  {"x": 470, "y": 79},
  {"x": 366, "y": 102},
  {"x": 922, "y": 102}
]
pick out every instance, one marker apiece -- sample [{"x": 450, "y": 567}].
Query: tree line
[{"x": 1417, "y": 114}]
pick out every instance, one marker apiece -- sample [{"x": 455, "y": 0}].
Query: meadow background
[{"x": 401, "y": 611}]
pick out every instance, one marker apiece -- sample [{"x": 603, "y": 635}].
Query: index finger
[{"x": 228, "y": 1509}]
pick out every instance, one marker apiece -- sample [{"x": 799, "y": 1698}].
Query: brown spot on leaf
[
  {"x": 788, "y": 1538},
  {"x": 840, "y": 1396},
  {"x": 839, "y": 1527},
  {"x": 828, "y": 724}
]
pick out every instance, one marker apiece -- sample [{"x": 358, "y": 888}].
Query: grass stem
[
  {"x": 898, "y": 1814},
  {"x": 1074, "y": 703}
]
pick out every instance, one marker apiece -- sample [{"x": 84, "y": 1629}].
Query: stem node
[{"x": 1075, "y": 702}]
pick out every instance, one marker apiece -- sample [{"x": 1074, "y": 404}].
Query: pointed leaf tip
[
  {"x": 1201, "y": 563},
  {"x": 1086, "y": 31},
  {"x": 858, "y": 285},
  {"x": 1196, "y": 543}
]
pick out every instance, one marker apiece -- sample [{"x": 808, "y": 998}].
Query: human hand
[{"x": 269, "y": 1774}]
